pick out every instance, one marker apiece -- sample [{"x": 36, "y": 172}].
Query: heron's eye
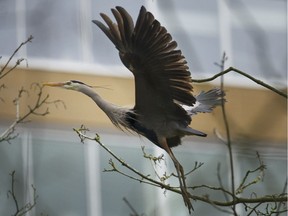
[{"x": 68, "y": 83}]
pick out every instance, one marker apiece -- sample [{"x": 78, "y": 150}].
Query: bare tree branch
[
  {"x": 135, "y": 213},
  {"x": 232, "y": 69},
  {"x": 2, "y": 73},
  {"x": 273, "y": 202},
  {"x": 260, "y": 176},
  {"x": 34, "y": 109},
  {"x": 221, "y": 183},
  {"x": 278, "y": 198},
  {"x": 21, "y": 211},
  {"x": 227, "y": 128}
]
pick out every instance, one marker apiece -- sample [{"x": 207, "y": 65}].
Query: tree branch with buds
[
  {"x": 36, "y": 108},
  {"x": 275, "y": 204},
  {"x": 21, "y": 211}
]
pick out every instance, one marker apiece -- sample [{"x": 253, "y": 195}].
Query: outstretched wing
[{"x": 162, "y": 78}]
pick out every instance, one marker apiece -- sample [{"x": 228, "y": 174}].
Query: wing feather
[
  {"x": 162, "y": 77},
  {"x": 120, "y": 27},
  {"x": 128, "y": 23}
]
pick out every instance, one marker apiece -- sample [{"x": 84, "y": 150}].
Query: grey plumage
[{"x": 206, "y": 101}]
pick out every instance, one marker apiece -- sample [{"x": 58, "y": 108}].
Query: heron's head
[{"x": 71, "y": 84}]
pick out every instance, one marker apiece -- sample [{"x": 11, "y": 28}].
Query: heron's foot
[
  {"x": 187, "y": 201},
  {"x": 180, "y": 173},
  {"x": 183, "y": 188}
]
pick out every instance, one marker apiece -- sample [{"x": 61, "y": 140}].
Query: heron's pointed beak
[{"x": 54, "y": 84}]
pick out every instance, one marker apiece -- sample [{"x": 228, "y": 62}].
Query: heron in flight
[{"x": 163, "y": 91}]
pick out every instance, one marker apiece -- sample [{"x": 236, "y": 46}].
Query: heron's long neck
[{"x": 114, "y": 112}]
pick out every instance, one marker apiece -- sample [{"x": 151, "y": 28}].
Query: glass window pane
[
  {"x": 258, "y": 32},
  {"x": 194, "y": 26},
  {"x": 55, "y": 27},
  {"x": 259, "y": 38},
  {"x": 8, "y": 32},
  {"x": 10, "y": 160},
  {"x": 59, "y": 173},
  {"x": 59, "y": 177},
  {"x": 103, "y": 49}
]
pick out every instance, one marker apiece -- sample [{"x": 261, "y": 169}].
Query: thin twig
[
  {"x": 140, "y": 180},
  {"x": 83, "y": 136},
  {"x": 260, "y": 168},
  {"x": 221, "y": 183},
  {"x": 12, "y": 191},
  {"x": 197, "y": 165},
  {"x": 254, "y": 209},
  {"x": 227, "y": 128},
  {"x": 8, "y": 134},
  {"x": 232, "y": 69},
  {"x": 2, "y": 86},
  {"x": 28, "y": 206},
  {"x": 283, "y": 192},
  {"x": 219, "y": 208},
  {"x": 154, "y": 160},
  {"x": 135, "y": 213},
  {"x": 146, "y": 179},
  {"x": 41, "y": 101},
  {"x": 213, "y": 188},
  {"x": 2, "y": 74}
]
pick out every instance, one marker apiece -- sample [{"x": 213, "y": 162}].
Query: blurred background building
[{"x": 67, "y": 45}]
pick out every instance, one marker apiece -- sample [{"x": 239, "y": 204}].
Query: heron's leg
[{"x": 180, "y": 173}]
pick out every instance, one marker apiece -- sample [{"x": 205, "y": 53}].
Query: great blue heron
[{"x": 164, "y": 101}]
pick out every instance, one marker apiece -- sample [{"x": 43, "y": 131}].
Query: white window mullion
[
  {"x": 225, "y": 17},
  {"x": 93, "y": 178},
  {"x": 20, "y": 8},
  {"x": 86, "y": 30},
  {"x": 28, "y": 174}
]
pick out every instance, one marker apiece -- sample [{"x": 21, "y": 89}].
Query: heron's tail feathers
[{"x": 206, "y": 101}]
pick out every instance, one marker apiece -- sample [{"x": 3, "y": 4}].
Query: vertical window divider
[
  {"x": 28, "y": 170},
  {"x": 20, "y": 8},
  {"x": 93, "y": 178}
]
